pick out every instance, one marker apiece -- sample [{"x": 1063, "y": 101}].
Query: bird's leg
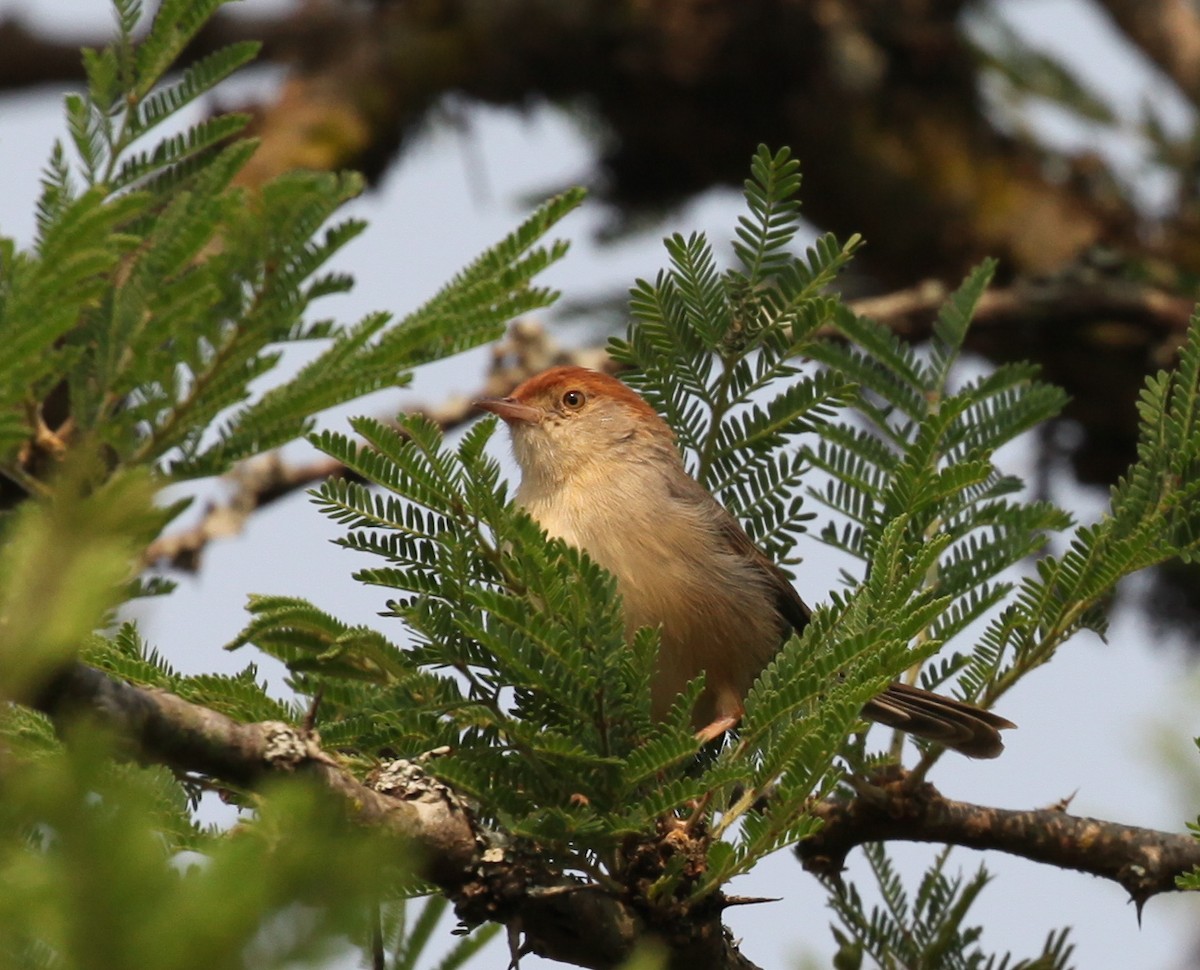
[
  {"x": 710, "y": 732},
  {"x": 729, "y": 714}
]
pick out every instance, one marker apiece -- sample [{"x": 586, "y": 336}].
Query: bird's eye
[{"x": 573, "y": 400}]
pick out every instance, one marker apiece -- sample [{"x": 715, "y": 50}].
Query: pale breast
[{"x": 673, "y": 570}]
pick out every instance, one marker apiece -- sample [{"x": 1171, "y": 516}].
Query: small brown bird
[{"x": 601, "y": 470}]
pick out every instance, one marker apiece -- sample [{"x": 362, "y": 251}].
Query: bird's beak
[{"x": 511, "y": 410}]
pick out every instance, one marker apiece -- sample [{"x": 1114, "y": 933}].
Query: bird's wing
[
  {"x": 793, "y": 611},
  {"x": 791, "y": 607}
]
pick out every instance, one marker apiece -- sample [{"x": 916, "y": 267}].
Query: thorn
[
  {"x": 310, "y": 718},
  {"x": 1139, "y": 903},
  {"x": 699, "y": 813},
  {"x": 729, "y": 901},
  {"x": 1063, "y": 803},
  {"x": 514, "y": 946},
  {"x": 711, "y": 732},
  {"x": 869, "y": 792}
]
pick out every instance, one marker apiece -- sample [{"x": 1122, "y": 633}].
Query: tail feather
[{"x": 969, "y": 730}]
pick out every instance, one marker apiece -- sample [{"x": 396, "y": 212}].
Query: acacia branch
[
  {"x": 487, "y": 875},
  {"x": 1062, "y": 302},
  {"x": 162, "y": 728},
  {"x": 491, "y": 877},
  {"x": 1144, "y": 862}
]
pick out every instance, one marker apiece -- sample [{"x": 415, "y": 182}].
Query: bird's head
[{"x": 570, "y": 420}]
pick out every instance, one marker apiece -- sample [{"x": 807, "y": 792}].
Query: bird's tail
[{"x": 969, "y": 730}]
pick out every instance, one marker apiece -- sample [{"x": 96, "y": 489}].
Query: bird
[{"x": 601, "y": 470}]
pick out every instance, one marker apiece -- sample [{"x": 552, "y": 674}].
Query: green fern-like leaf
[
  {"x": 929, "y": 927},
  {"x": 774, "y": 217},
  {"x": 197, "y": 79},
  {"x": 1153, "y": 518},
  {"x": 175, "y": 24}
]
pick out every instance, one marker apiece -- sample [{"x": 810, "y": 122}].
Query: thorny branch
[
  {"x": 486, "y": 875},
  {"x": 491, "y": 877},
  {"x": 1143, "y": 861}
]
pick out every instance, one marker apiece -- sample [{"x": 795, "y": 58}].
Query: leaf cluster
[
  {"x": 161, "y": 288},
  {"x": 518, "y": 660},
  {"x": 715, "y": 352},
  {"x": 103, "y": 866},
  {"x": 928, "y": 930},
  {"x": 920, "y": 448},
  {"x": 1154, "y": 517}
]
